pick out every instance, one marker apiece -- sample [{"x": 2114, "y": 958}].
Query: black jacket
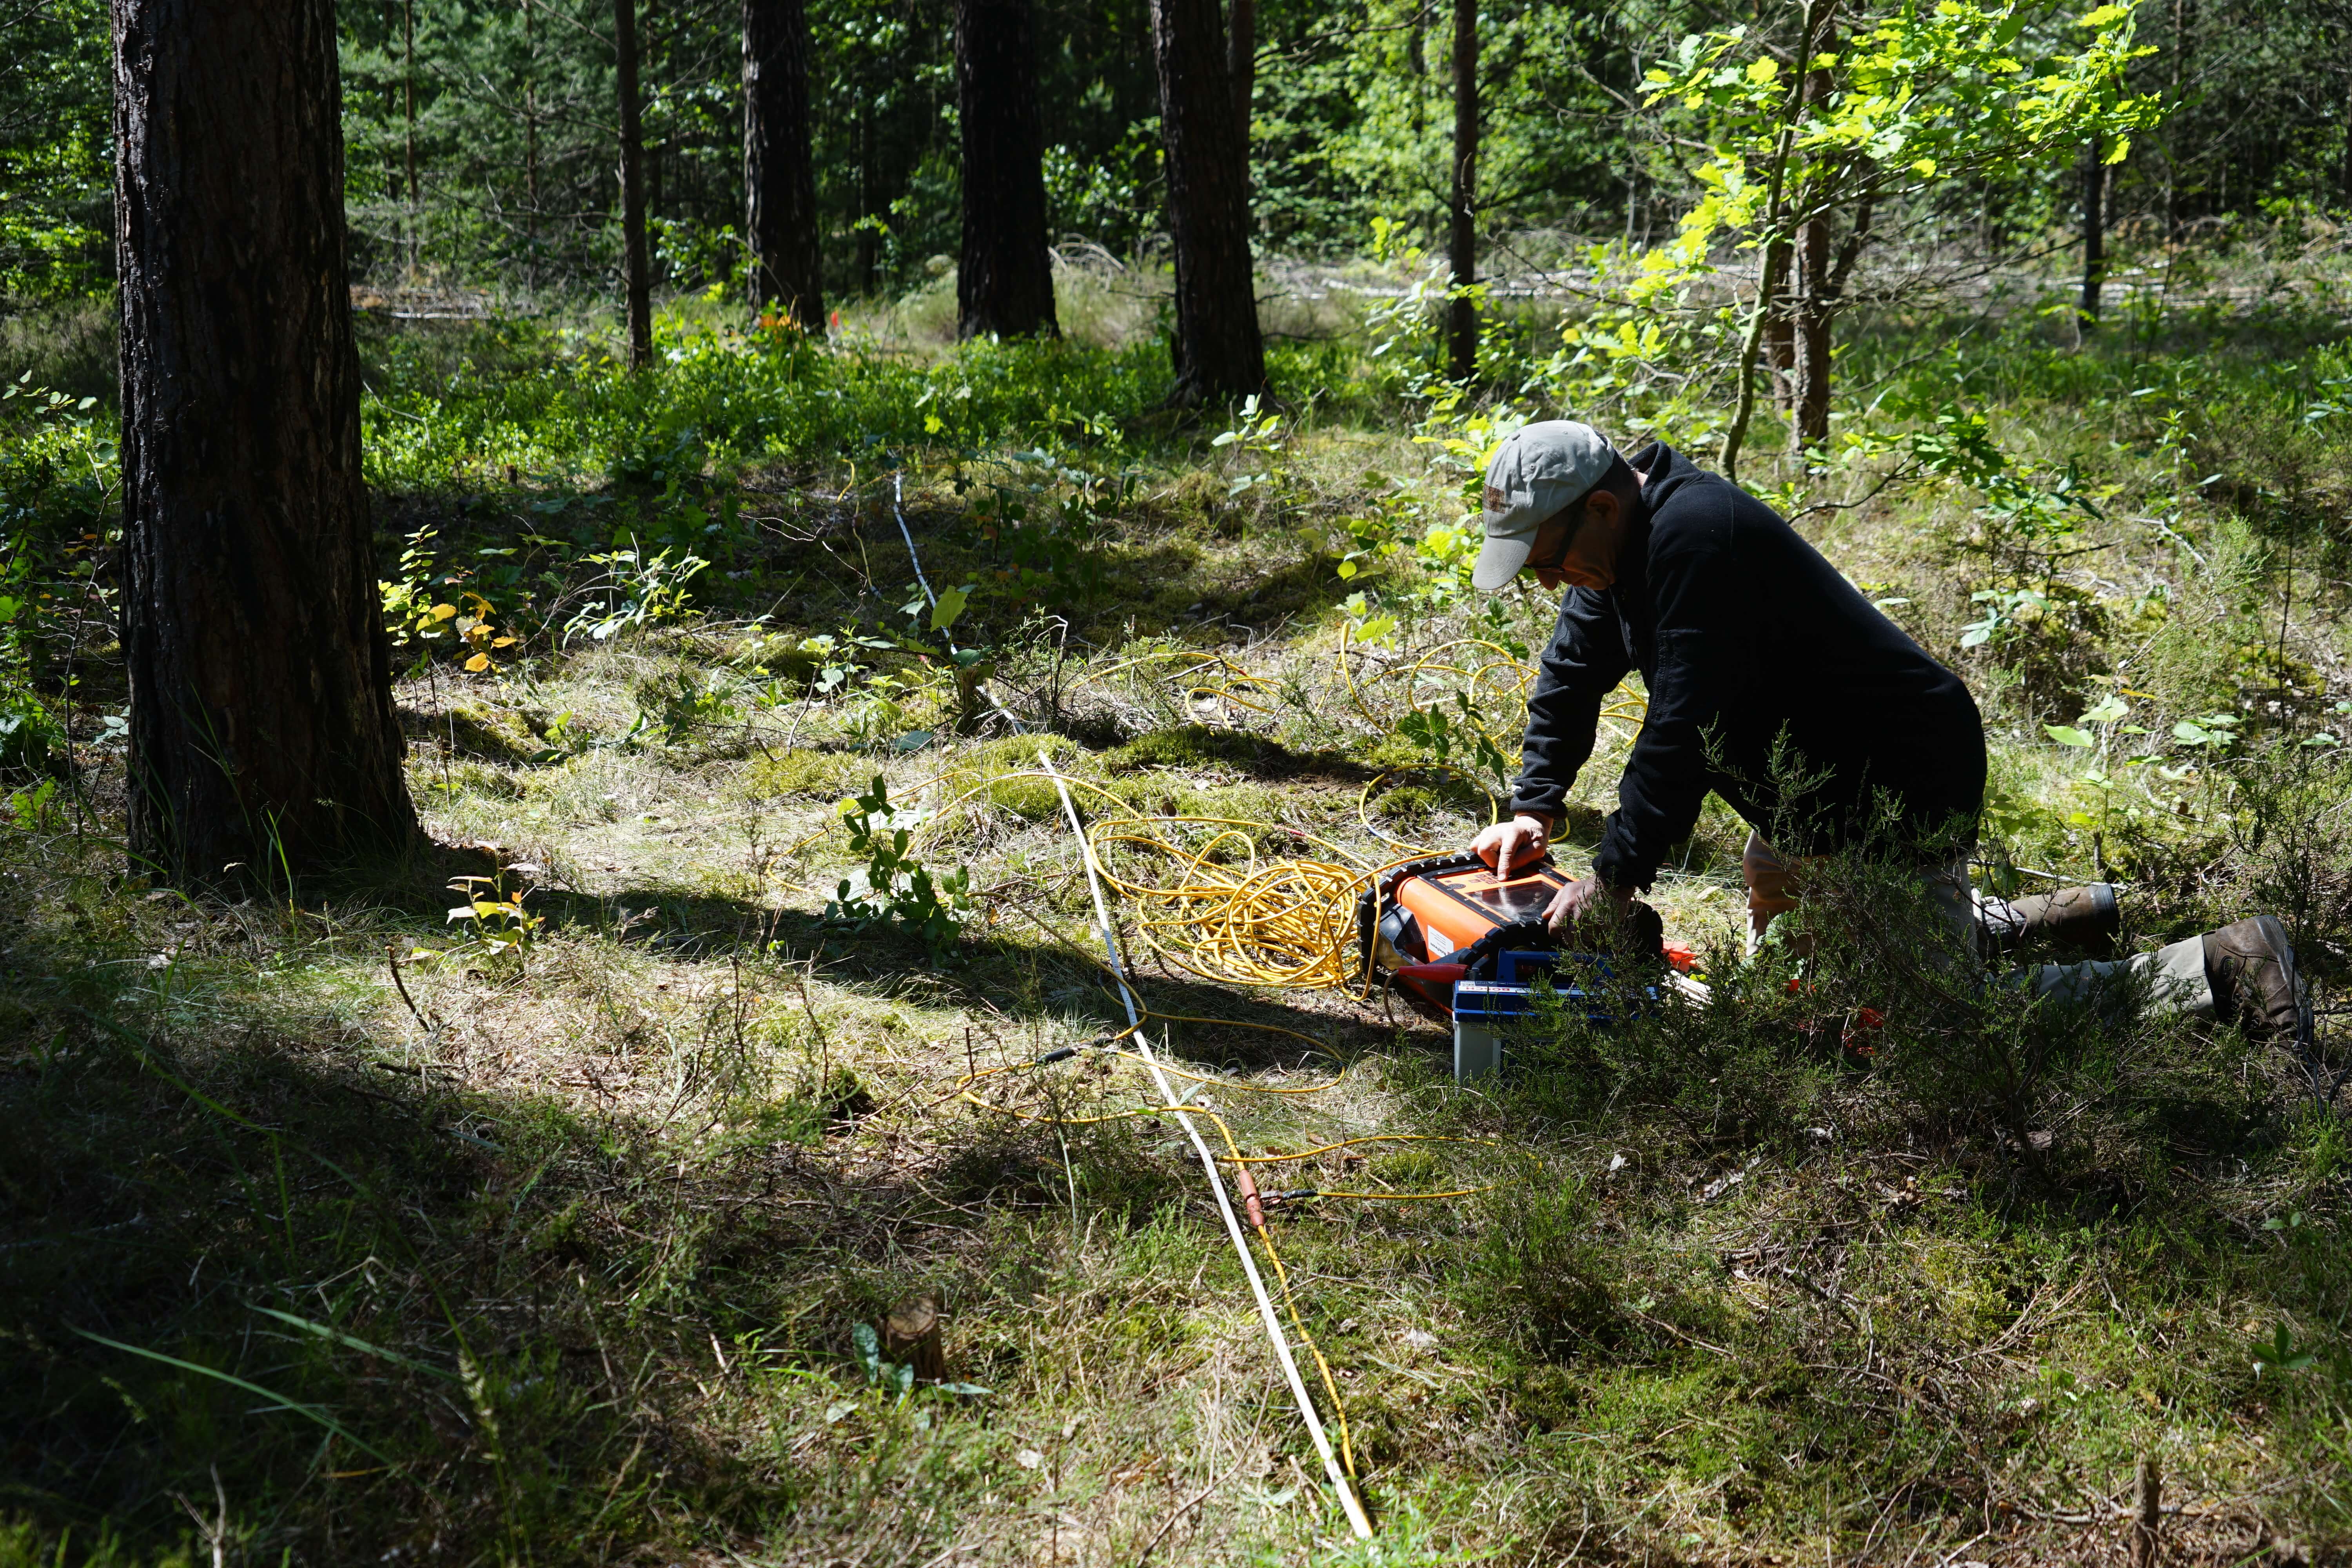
[{"x": 1745, "y": 635}]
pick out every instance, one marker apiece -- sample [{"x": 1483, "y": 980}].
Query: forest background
[{"x": 481, "y": 139}]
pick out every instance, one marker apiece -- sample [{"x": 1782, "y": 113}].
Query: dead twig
[{"x": 1169, "y": 1523}]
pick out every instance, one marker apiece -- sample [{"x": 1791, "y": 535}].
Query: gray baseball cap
[{"x": 1538, "y": 474}]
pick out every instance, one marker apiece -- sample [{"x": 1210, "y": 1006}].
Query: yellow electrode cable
[{"x": 1357, "y": 1519}]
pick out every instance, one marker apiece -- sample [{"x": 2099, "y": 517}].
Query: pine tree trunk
[
  {"x": 779, "y": 214},
  {"x": 1219, "y": 350},
  {"x": 1462, "y": 238},
  {"x": 636, "y": 280},
  {"x": 262, "y": 731},
  {"x": 2095, "y": 235},
  {"x": 1004, "y": 273},
  {"x": 1240, "y": 66}
]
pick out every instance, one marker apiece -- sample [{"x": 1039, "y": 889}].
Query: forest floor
[{"x": 342, "y": 1225}]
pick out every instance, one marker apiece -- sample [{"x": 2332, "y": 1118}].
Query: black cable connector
[{"x": 1064, "y": 1053}]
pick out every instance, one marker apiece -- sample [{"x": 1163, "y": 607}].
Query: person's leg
[
  {"x": 2175, "y": 977},
  {"x": 2085, "y": 920},
  {"x": 2242, "y": 973}
]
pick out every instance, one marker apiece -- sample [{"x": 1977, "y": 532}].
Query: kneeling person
[{"x": 1772, "y": 682}]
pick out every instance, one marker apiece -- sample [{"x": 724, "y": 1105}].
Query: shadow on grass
[
  {"x": 1012, "y": 969},
  {"x": 358, "y": 1314}
]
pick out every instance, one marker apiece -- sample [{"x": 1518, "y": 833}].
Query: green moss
[
  {"x": 1203, "y": 746},
  {"x": 494, "y": 734},
  {"x": 818, "y": 775}
]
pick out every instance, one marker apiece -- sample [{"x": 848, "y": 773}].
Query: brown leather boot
[
  {"x": 2251, "y": 966},
  {"x": 2080, "y": 919}
]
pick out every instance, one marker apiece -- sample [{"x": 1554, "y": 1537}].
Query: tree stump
[{"x": 910, "y": 1336}]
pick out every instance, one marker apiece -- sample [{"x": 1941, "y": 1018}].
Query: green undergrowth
[{"x": 569, "y": 1224}]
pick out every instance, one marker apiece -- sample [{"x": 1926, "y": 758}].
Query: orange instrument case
[
  {"x": 1417, "y": 923},
  {"x": 1455, "y": 907}
]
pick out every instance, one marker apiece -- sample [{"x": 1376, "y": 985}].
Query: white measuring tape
[{"x": 1357, "y": 1519}]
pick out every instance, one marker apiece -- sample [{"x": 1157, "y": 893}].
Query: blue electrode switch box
[{"x": 1485, "y": 1010}]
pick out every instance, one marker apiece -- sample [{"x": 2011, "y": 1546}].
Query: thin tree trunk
[
  {"x": 1780, "y": 355},
  {"x": 2095, "y": 235},
  {"x": 1810, "y": 405},
  {"x": 1004, "y": 275},
  {"x": 2344, "y": 170},
  {"x": 1219, "y": 350},
  {"x": 869, "y": 249},
  {"x": 1774, "y": 261},
  {"x": 636, "y": 282},
  {"x": 530, "y": 148},
  {"x": 408, "y": 88},
  {"x": 1462, "y": 238},
  {"x": 2184, "y": 25},
  {"x": 1809, "y": 423},
  {"x": 779, "y": 218},
  {"x": 1240, "y": 64},
  {"x": 263, "y": 740}
]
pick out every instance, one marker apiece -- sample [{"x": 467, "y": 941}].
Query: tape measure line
[
  {"x": 898, "y": 511},
  {"x": 1357, "y": 1519}
]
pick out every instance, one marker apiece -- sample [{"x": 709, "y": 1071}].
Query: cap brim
[{"x": 1499, "y": 561}]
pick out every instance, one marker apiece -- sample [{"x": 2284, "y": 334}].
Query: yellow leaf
[
  {"x": 1764, "y": 71},
  {"x": 479, "y": 663},
  {"x": 444, "y": 612},
  {"x": 503, "y": 642}
]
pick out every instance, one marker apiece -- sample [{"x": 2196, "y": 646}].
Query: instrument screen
[{"x": 1521, "y": 897}]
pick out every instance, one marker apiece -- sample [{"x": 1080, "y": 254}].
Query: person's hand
[
  {"x": 1518, "y": 842},
  {"x": 1581, "y": 901}
]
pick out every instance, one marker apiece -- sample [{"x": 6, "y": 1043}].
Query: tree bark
[
  {"x": 1810, "y": 412},
  {"x": 1240, "y": 64},
  {"x": 1462, "y": 239},
  {"x": 779, "y": 214},
  {"x": 1004, "y": 273},
  {"x": 1781, "y": 356},
  {"x": 2095, "y": 235},
  {"x": 263, "y": 740},
  {"x": 1219, "y": 350},
  {"x": 636, "y": 282}
]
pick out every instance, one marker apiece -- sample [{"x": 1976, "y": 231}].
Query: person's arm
[
  {"x": 1704, "y": 611},
  {"x": 1583, "y": 665}
]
